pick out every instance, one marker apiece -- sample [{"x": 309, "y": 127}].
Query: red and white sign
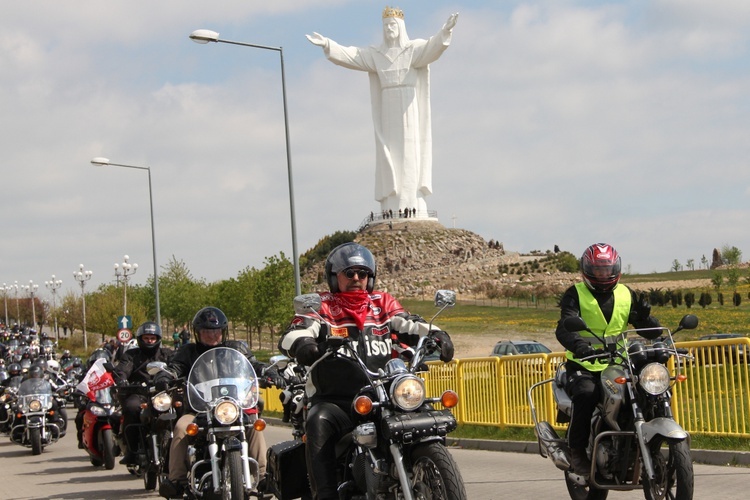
[{"x": 123, "y": 335}]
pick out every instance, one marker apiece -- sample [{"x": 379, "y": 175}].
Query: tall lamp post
[
  {"x": 31, "y": 288},
  {"x": 18, "y": 309},
  {"x": 82, "y": 277},
  {"x": 103, "y": 162},
  {"x": 205, "y": 36},
  {"x": 53, "y": 285},
  {"x": 124, "y": 271},
  {"x": 6, "y": 289}
]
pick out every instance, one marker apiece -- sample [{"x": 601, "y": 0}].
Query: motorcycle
[
  {"x": 157, "y": 419},
  {"x": 634, "y": 441},
  {"x": 397, "y": 448},
  {"x": 35, "y": 424},
  {"x": 292, "y": 395},
  {"x": 222, "y": 389},
  {"x": 101, "y": 419}
]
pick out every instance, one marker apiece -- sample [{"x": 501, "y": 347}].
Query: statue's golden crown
[{"x": 393, "y": 12}]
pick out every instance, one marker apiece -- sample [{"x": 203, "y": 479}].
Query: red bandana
[{"x": 356, "y": 304}]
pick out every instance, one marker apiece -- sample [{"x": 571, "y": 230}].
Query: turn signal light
[
  {"x": 363, "y": 405},
  {"x": 192, "y": 429},
  {"x": 178, "y": 404},
  {"x": 449, "y": 399},
  {"x": 620, "y": 380},
  {"x": 681, "y": 377},
  {"x": 144, "y": 406},
  {"x": 259, "y": 424}
]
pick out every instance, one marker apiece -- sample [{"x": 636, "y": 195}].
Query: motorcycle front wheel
[
  {"x": 107, "y": 446},
  {"x": 35, "y": 436},
  {"x": 673, "y": 473},
  {"x": 232, "y": 485},
  {"x": 435, "y": 473}
]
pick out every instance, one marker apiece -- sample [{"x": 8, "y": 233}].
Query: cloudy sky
[{"x": 554, "y": 122}]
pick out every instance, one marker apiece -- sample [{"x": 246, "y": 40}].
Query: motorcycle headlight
[
  {"x": 35, "y": 405},
  {"x": 161, "y": 402},
  {"x": 226, "y": 412},
  {"x": 408, "y": 392},
  {"x": 98, "y": 410},
  {"x": 654, "y": 378}
]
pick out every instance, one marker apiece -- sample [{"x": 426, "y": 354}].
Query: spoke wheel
[
  {"x": 435, "y": 474},
  {"x": 673, "y": 473}
]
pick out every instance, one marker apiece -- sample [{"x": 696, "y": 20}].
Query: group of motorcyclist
[{"x": 382, "y": 329}]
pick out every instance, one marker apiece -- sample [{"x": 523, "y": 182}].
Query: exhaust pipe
[{"x": 552, "y": 446}]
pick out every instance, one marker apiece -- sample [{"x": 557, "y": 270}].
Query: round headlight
[
  {"x": 35, "y": 405},
  {"x": 408, "y": 392},
  {"x": 162, "y": 401},
  {"x": 654, "y": 378},
  {"x": 226, "y": 412}
]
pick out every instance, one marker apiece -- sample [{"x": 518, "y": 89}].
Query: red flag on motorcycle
[{"x": 96, "y": 379}]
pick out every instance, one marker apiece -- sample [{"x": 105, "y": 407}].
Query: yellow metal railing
[{"x": 714, "y": 400}]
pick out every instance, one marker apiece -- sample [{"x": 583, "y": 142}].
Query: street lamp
[
  {"x": 6, "y": 289},
  {"x": 124, "y": 271},
  {"x": 205, "y": 36},
  {"x": 18, "y": 309},
  {"x": 82, "y": 277},
  {"x": 30, "y": 289},
  {"x": 53, "y": 285},
  {"x": 105, "y": 162}
]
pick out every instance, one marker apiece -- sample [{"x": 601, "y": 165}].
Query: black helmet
[
  {"x": 14, "y": 369},
  {"x": 99, "y": 353},
  {"x": 36, "y": 371},
  {"x": 349, "y": 255},
  {"x": 210, "y": 318},
  {"x": 148, "y": 328}
]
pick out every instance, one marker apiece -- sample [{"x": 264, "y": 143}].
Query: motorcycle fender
[
  {"x": 661, "y": 426},
  {"x": 33, "y": 422},
  {"x": 232, "y": 443}
]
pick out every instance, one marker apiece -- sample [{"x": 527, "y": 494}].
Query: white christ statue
[{"x": 400, "y": 96}]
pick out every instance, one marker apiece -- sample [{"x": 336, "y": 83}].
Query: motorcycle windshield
[
  {"x": 34, "y": 386},
  {"x": 103, "y": 396},
  {"x": 221, "y": 373}
]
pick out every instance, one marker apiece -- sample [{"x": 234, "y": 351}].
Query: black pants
[
  {"x": 326, "y": 424},
  {"x": 584, "y": 390},
  {"x": 131, "y": 421}
]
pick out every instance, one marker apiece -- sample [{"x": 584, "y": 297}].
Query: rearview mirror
[
  {"x": 445, "y": 298},
  {"x": 307, "y": 302}
]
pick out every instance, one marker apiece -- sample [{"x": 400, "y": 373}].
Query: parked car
[
  {"x": 713, "y": 355},
  {"x": 515, "y": 347}
]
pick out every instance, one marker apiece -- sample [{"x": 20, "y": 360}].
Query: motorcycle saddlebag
[{"x": 286, "y": 470}]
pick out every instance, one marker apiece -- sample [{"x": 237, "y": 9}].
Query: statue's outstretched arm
[
  {"x": 318, "y": 39},
  {"x": 450, "y": 23}
]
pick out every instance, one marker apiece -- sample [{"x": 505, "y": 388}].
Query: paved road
[{"x": 63, "y": 472}]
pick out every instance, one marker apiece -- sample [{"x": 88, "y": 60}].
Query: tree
[
  {"x": 731, "y": 255},
  {"x": 676, "y": 265},
  {"x": 180, "y": 296},
  {"x": 704, "y": 261},
  {"x": 104, "y": 306},
  {"x": 717, "y": 280},
  {"x": 689, "y": 299},
  {"x": 274, "y": 292},
  {"x": 566, "y": 262},
  {"x": 691, "y": 264}
]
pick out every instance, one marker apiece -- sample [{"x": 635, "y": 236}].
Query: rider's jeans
[{"x": 178, "y": 457}]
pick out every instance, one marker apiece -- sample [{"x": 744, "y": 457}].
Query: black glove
[
  {"x": 305, "y": 350},
  {"x": 109, "y": 367},
  {"x": 642, "y": 308},
  {"x": 445, "y": 344},
  {"x": 583, "y": 350}
]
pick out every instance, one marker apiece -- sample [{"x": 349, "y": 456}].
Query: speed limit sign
[{"x": 124, "y": 335}]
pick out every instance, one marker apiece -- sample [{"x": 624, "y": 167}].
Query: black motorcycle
[
  {"x": 154, "y": 429},
  {"x": 397, "y": 449},
  {"x": 35, "y": 425}
]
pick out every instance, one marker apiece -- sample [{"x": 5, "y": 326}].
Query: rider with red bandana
[
  {"x": 380, "y": 329},
  {"x": 607, "y": 307}
]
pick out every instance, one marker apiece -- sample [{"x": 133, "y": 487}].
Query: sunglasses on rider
[{"x": 359, "y": 273}]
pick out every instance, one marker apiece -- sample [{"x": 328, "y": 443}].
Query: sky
[{"x": 556, "y": 122}]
